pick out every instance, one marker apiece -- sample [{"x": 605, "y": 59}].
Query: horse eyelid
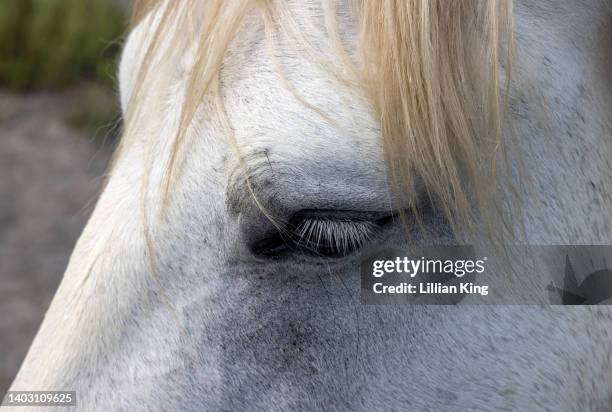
[{"x": 325, "y": 233}]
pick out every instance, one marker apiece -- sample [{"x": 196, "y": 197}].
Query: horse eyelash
[{"x": 342, "y": 236}]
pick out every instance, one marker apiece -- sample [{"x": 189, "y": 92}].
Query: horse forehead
[
  {"x": 276, "y": 94},
  {"x": 279, "y": 101},
  {"x": 283, "y": 99}
]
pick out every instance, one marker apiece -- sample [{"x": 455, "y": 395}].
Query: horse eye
[{"x": 322, "y": 233}]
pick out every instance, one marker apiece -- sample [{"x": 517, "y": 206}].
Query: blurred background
[{"x": 59, "y": 121}]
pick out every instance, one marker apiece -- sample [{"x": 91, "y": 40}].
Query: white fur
[{"x": 291, "y": 334}]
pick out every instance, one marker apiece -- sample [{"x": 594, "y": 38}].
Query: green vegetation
[{"x": 54, "y": 43}]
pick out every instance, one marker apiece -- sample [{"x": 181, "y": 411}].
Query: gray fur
[{"x": 290, "y": 334}]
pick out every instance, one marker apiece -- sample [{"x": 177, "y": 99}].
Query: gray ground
[{"x": 50, "y": 174}]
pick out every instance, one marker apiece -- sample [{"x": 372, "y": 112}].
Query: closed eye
[
  {"x": 330, "y": 236},
  {"x": 323, "y": 233}
]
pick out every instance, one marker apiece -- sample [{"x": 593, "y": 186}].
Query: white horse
[{"x": 209, "y": 308}]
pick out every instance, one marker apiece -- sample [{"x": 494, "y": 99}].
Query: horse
[{"x": 267, "y": 143}]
